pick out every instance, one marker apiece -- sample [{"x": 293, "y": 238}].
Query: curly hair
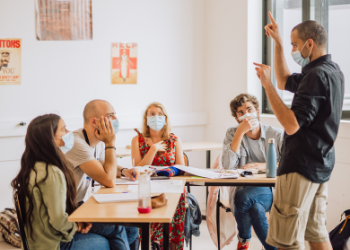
[{"x": 240, "y": 100}]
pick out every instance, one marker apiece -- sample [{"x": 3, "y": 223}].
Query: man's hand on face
[
  {"x": 105, "y": 131},
  {"x": 264, "y": 74},
  {"x": 271, "y": 30},
  {"x": 247, "y": 124}
]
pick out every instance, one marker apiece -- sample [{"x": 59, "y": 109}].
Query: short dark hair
[
  {"x": 314, "y": 30},
  {"x": 240, "y": 100}
]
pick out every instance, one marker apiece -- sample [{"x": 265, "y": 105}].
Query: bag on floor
[
  {"x": 228, "y": 225},
  {"x": 9, "y": 227},
  {"x": 340, "y": 235}
]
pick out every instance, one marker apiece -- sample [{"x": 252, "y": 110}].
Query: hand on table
[
  {"x": 260, "y": 166},
  {"x": 131, "y": 173}
]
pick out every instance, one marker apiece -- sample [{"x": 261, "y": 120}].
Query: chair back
[
  {"x": 187, "y": 163},
  {"x": 20, "y": 222}
]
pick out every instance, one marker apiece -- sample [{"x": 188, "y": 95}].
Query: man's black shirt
[{"x": 317, "y": 104}]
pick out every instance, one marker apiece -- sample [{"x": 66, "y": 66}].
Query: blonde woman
[{"x": 158, "y": 147}]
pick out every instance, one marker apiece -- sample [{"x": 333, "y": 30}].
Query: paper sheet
[
  {"x": 206, "y": 173},
  {"x": 108, "y": 198},
  {"x": 162, "y": 186}
]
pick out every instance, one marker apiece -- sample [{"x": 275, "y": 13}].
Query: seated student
[
  {"x": 158, "y": 147},
  {"x": 93, "y": 154},
  {"x": 47, "y": 191},
  {"x": 245, "y": 147}
]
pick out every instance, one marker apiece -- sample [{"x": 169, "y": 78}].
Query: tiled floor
[{"x": 204, "y": 242}]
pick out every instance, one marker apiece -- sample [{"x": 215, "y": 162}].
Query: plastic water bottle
[
  {"x": 144, "y": 205},
  {"x": 271, "y": 161}
]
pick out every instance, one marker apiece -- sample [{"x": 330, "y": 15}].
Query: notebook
[{"x": 108, "y": 198}]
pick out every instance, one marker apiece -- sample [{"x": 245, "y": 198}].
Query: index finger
[
  {"x": 271, "y": 18},
  {"x": 260, "y": 65}
]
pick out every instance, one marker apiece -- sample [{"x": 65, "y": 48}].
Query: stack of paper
[
  {"x": 206, "y": 173},
  {"x": 162, "y": 186},
  {"x": 108, "y": 198}
]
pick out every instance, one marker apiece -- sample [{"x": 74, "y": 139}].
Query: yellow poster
[
  {"x": 10, "y": 61},
  {"x": 124, "y": 63}
]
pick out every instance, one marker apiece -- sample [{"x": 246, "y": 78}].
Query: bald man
[{"x": 93, "y": 155}]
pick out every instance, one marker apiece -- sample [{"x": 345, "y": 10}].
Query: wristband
[
  {"x": 110, "y": 147},
  {"x": 121, "y": 172}
]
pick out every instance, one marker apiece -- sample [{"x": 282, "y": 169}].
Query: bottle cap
[{"x": 271, "y": 140}]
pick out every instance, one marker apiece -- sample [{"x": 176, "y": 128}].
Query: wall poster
[
  {"x": 124, "y": 63},
  {"x": 10, "y": 61},
  {"x": 63, "y": 19}
]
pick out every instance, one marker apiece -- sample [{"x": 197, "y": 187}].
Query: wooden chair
[{"x": 20, "y": 222}]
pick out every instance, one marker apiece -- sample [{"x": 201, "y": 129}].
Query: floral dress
[{"x": 177, "y": 226}]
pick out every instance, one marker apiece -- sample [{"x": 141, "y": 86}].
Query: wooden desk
[
  {"x": 126, "y": 212},
  {"x": 258, "y": 180}
]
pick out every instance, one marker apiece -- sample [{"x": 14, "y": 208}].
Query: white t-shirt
[{"x": 80, "y": 154}]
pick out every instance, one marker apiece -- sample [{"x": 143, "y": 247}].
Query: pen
[{"x": 133, "y": 167}]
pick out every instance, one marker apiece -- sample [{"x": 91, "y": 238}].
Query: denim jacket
[
  {"x": 193, "y": 218},
  {"x": 233, "y": 160}
]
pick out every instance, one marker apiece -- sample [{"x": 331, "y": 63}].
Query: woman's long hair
[
  {"x": 167, "y": 127},
  {"x": 40, "y": 147}
]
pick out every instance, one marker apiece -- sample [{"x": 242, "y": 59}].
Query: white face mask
[
  {"x": 252, "y": 115},
  {"x": 299, "y": 59}
]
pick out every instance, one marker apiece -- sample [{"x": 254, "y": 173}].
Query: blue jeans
[
  {"x": 251, "y": 204},
  {"x": 117, "y": 237}
]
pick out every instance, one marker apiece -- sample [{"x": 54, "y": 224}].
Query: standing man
[{"x": 311, "y": 125}]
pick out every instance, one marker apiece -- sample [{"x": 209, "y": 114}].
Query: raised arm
[{"x": 281, "y": 69}]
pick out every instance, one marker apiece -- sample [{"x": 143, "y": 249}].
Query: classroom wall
[{"x": 62, "y": 76}]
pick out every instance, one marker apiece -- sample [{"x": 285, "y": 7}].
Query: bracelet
[
  {"x": 110, "y": 147},
  {"x": 121, "y": 172}
]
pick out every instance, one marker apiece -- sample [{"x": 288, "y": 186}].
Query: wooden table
[
  {"x": 258, "y": 180},
  {"x": 126, "y": 212}
]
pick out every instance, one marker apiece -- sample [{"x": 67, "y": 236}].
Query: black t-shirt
[{"x": 317, "y": 104}]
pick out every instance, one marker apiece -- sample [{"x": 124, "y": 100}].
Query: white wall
[{"x": 62, "y": 76}]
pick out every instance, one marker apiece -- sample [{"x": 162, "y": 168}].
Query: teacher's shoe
[{"x": 243, "y": 246}]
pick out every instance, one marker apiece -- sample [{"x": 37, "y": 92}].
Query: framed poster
[
  {"x": 63, "y": 19},
  {"x": 124, "y": 63},
  {"x": 10, "y": 61}
]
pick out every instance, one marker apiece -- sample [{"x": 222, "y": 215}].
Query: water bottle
[
  {"x": 271, "y": 161},
  {"x": 144, "y": 204}
]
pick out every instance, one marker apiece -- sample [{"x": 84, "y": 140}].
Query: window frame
[{"x": 321, "y": 8}]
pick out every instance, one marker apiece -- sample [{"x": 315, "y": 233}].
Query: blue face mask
[
  {"x": 68, "y": 140},
  {"x": 156, "y": 122},
  {"x": 299, "y": 59},
  {"x": 115, "y": 124}
]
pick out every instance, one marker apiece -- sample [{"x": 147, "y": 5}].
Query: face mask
[
  {"x": 253, "y": 115},
  {"x": 299, "y": 59},
  {"x": 115, "y": 124},
  {"x": 156, "y": 122},
  {"x": 68, "y": 140}
]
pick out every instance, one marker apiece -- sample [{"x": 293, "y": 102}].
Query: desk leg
[
  {"x": 208, "y": 167},
  {"x": 166, "y": 245},
  {"x": 146, "y": 234}
]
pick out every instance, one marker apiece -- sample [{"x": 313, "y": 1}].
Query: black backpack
[{"x": 340, "y": 235}]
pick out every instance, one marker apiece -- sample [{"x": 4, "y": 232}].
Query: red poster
[{"x": 124, "y": 63}]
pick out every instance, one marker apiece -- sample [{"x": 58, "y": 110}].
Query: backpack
[
  {"x": 9, "y": 227},
  {"x": 340, "y": 235}
]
